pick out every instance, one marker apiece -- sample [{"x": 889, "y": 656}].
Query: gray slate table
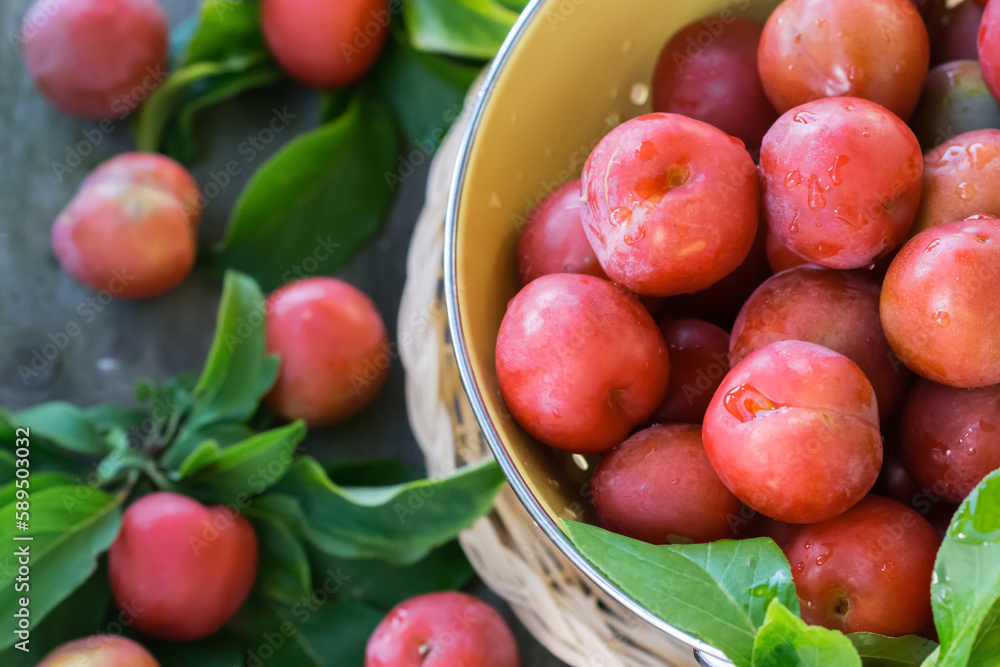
[{"x": 122, "y": 342}]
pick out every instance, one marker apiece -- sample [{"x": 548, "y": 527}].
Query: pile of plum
[{"x": 870, "y": 360}]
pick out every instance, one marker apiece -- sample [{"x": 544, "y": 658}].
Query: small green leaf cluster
[{"x": 339, "y": 546}]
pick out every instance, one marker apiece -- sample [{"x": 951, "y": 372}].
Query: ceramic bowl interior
[{"x": 570, "y": 72}]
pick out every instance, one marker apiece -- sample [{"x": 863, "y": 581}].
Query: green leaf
[
  {"x": 303, "y": 635},
  {"x": 222, "y": 434},
  {"x": 223, "y": 649},
  {"x": 237, "y": 373},
  {"x": 371, "y": 473},
  {"x": 222, "y": 56},
  {"x": 966, "y": 584},
  {"x": 36, "y": 482},
  {"x": 66, "y": 425},
  {"x": 383, "y": 586},
  {"x": 70, "y": 526},
  {"x": 281, "y": 507},
  {"x": 107, "y": 416},
  {"x": 785, "y": 640},
  {"x": 284, "y": 573},
  {"x": 399, "y": 524},
  {"x": 179, "y": 136},
  {"x": 881, "y": 651},
  {"x": 334, "y": 103},
  {"x": 45, "y": 457},
  {"x": 988, "y": 642},
  {"x": 8, "y": 466},
  {"x": 227, "y": 30},
  {"x": 516, "y": 5},
  {"x": 81, "y": 614},
  {"x": 426, "y": 91},
  {"x": 468, "y": 28},
  {"x": 163, "y": 104},
  {"x": 242, "y": 470},
  {"x": 321, "y": 198},
  {"x": 718, "y": 592}
]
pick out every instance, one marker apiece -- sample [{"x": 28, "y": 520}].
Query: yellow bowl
[{"x": 570, "y": 71}]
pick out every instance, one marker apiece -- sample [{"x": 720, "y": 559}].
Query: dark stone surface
[{"x": 44, "y": 156}]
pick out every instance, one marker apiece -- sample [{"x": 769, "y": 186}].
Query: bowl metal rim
[{"x": 517, "y": 482}]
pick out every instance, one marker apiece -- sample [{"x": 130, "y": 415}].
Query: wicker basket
[{"x": 558, "y": 605}]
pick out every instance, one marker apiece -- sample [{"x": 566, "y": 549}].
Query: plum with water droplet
[
  {"x": 671, "y": 204},
  {"x": 835, "y": 309},
  {"x": 873, "y": 49},
  {"x": 940, "y": 301},
  {"x": 793, "y": 431},
  {"x": 830, "y": 192},
  {"x": 867, "y": 570},
  {"x": 950, "y": 437},
  {"x": 961, "y": 178},
  {"x": 580, "y": 362}
]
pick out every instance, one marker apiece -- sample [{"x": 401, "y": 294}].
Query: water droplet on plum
[
  {"x": 817, "y": 201},
  {"x": 621, "y": 216},
  {"x": 793, "y": 179}
]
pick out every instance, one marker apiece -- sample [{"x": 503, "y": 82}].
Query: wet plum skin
[
  {"x": 719, "y": 83},
  {"x": 580, "y": 362},
  {"x": 937, "y": 301},
  {"x": 830, "y": 191},
  {"x": 658, "y": 486},
  {"x": 698, "y": 364},
  {"x": 552, "y": 239},
  {"x": 961, "y": 179},
  {"x": 873, "y": 49},
  {"x": 950, "y": 437},
  {"x": 771, "y": 430},
  {"x": 779, "y": 256},
  {"x": 838, "y": 310},
  {"x": 720, "y": 303},
  {"x": 671, "y": 204},
  {"x": 867, "y": 570}
]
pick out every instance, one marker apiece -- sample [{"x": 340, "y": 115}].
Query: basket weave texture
[{"x": 570, "y": 616}]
